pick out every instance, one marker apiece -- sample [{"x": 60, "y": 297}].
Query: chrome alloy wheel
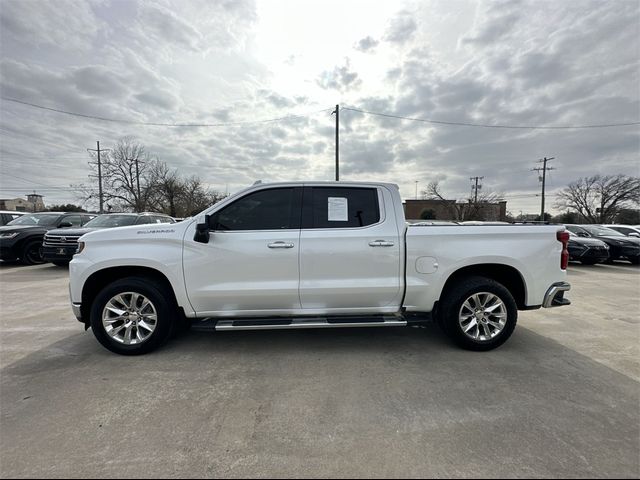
[
  {"x": 129, "y": 318},
  {"x": 482, "y": 316}
]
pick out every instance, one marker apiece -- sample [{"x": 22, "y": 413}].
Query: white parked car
[{"x": 314, "y": 255}]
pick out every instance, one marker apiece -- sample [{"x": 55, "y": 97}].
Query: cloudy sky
[{"x": 515, "y": 63}]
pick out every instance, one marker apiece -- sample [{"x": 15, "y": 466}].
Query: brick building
[
  {"x": 452, "y": 210},
  {"x": 33, "y": 203}
]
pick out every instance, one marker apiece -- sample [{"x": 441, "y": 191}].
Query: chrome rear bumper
[
  {"x": 77, "y": 311},
  {"x": 555, "y": 295}
]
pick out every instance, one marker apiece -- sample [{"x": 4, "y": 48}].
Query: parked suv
[
  {"x": 22, "y": 238},
  {"x": 60, "y": 245}
]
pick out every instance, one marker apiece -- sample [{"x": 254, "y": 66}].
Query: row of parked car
[
  {"x": 591, "y": 244},
  {"x": 52, "y": 237},
  {"x": 588, "y": 244}
]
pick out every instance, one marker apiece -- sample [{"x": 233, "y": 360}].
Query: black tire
[
  {"x": 32, "y": 253},
  {"x": 634, "y": 260},
  {"x": 160, "y": 297},
  {"x": 61, "y": 263},
  {"x": 589, "y": 261},
  {"x": 450, "y": 308}
]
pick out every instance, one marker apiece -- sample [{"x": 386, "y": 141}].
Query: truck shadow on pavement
[{"x": 342, "y": 402}]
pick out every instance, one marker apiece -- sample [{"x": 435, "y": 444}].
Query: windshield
[
  {"x": 109, "y": 221},
  {"x": 36, "y": 219},
  {"x": 599, "y": 231}
]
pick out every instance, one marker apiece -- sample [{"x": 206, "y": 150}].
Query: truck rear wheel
[
  {"x": 478, "y": 313},
  {"x": 133, "y": 316}
]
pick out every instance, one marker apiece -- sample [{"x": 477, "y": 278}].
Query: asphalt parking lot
[{"x": 560, "y": 399}]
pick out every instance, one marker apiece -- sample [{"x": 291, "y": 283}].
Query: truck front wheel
[
  {"x": 478, "y": 313},
  {"x": 133, "y": 316}
]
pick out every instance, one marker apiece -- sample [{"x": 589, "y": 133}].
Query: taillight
[{"x": 563, "y": 237}]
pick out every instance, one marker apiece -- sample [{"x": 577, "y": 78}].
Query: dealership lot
[{"x": 560, "y": 399}]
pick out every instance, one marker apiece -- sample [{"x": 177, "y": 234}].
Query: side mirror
[
  {"x": 65, "y": 225},
  {"x": 634, "y": 234},
  {"x": 583, "y": 234},
  {"x": 202, "y": 230}
]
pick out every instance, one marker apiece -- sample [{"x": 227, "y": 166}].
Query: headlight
[
  {"x": 8, "y": 235},
  {"x": 80, "y": 247}
]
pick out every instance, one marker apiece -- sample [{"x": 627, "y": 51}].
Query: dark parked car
[
  {"x": 628, "y": 230},
  {"x": 587, "y": 251},
  {"x": 22, "y": 238},
  {"x": 60, "y": 245},
  {"x": 7, "y": 216},
  {"x": 620, "y": 246}
]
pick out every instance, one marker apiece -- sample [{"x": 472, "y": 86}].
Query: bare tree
[
  {"x": 166, "y": 190},
  {"x": 178, "y": 196},
  {"x": 127, "y": 173},
  {"x": 467, "y": 209},
  {"x": 600, "y": 198},
  {"x": 196, "y": 197},
  {"x": 133, "y": 180}
]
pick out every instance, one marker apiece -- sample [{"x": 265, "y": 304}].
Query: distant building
[
  {"x": 33, "y": 203},
  {"x": 452, "y": 210}
]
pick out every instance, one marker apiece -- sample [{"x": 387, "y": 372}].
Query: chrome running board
[{"x": 314, "y": 322}]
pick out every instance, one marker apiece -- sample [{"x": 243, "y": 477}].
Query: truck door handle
[
  {"x": 280, "y": 245},
  {"x": 381, "y": 243}
]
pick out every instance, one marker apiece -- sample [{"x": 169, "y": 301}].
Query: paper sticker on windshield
[{"x": 338, "y": 209}]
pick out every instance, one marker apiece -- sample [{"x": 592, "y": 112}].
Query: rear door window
[{"x": 340, "y": 207}]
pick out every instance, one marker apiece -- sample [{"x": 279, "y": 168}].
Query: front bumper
[
  {"x": 51, "y": 254},
  {"x": 555, "y": 295},
  {"x": 630, "y": 251},
  {"x": 590, "y": 253},
  {"x": 9, "y": 249}
]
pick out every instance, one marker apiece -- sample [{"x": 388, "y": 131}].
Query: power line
[
  {"x": 484, "y": 125},
  {"x": 159, "y": 124},
  {"x": 26, "y": 179}
]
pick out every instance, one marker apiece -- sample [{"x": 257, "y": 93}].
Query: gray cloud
[
  {"x": 367, "y": 44},
  {"x": 525, "y": 63},
  {"x": 401, "y": 28},
  {"x": 158, "y": 98},
  {"x": 275, "y": 99},
  {"x": 48, "y": 24},
  {"x": 340, "y": 78},
  {"x": 99, "y": 80}
]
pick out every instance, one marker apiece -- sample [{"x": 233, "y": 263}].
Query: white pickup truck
[{"x": 313, "y": 255}]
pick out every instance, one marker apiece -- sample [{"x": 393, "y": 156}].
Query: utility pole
[
  {"x": 544, "y": 169},
  {"x": 99, "y": 173},
  {"x": 416, "y": 189},
  {"x": 337, "y": 112},
  {"x": 476, "y": 187}
]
